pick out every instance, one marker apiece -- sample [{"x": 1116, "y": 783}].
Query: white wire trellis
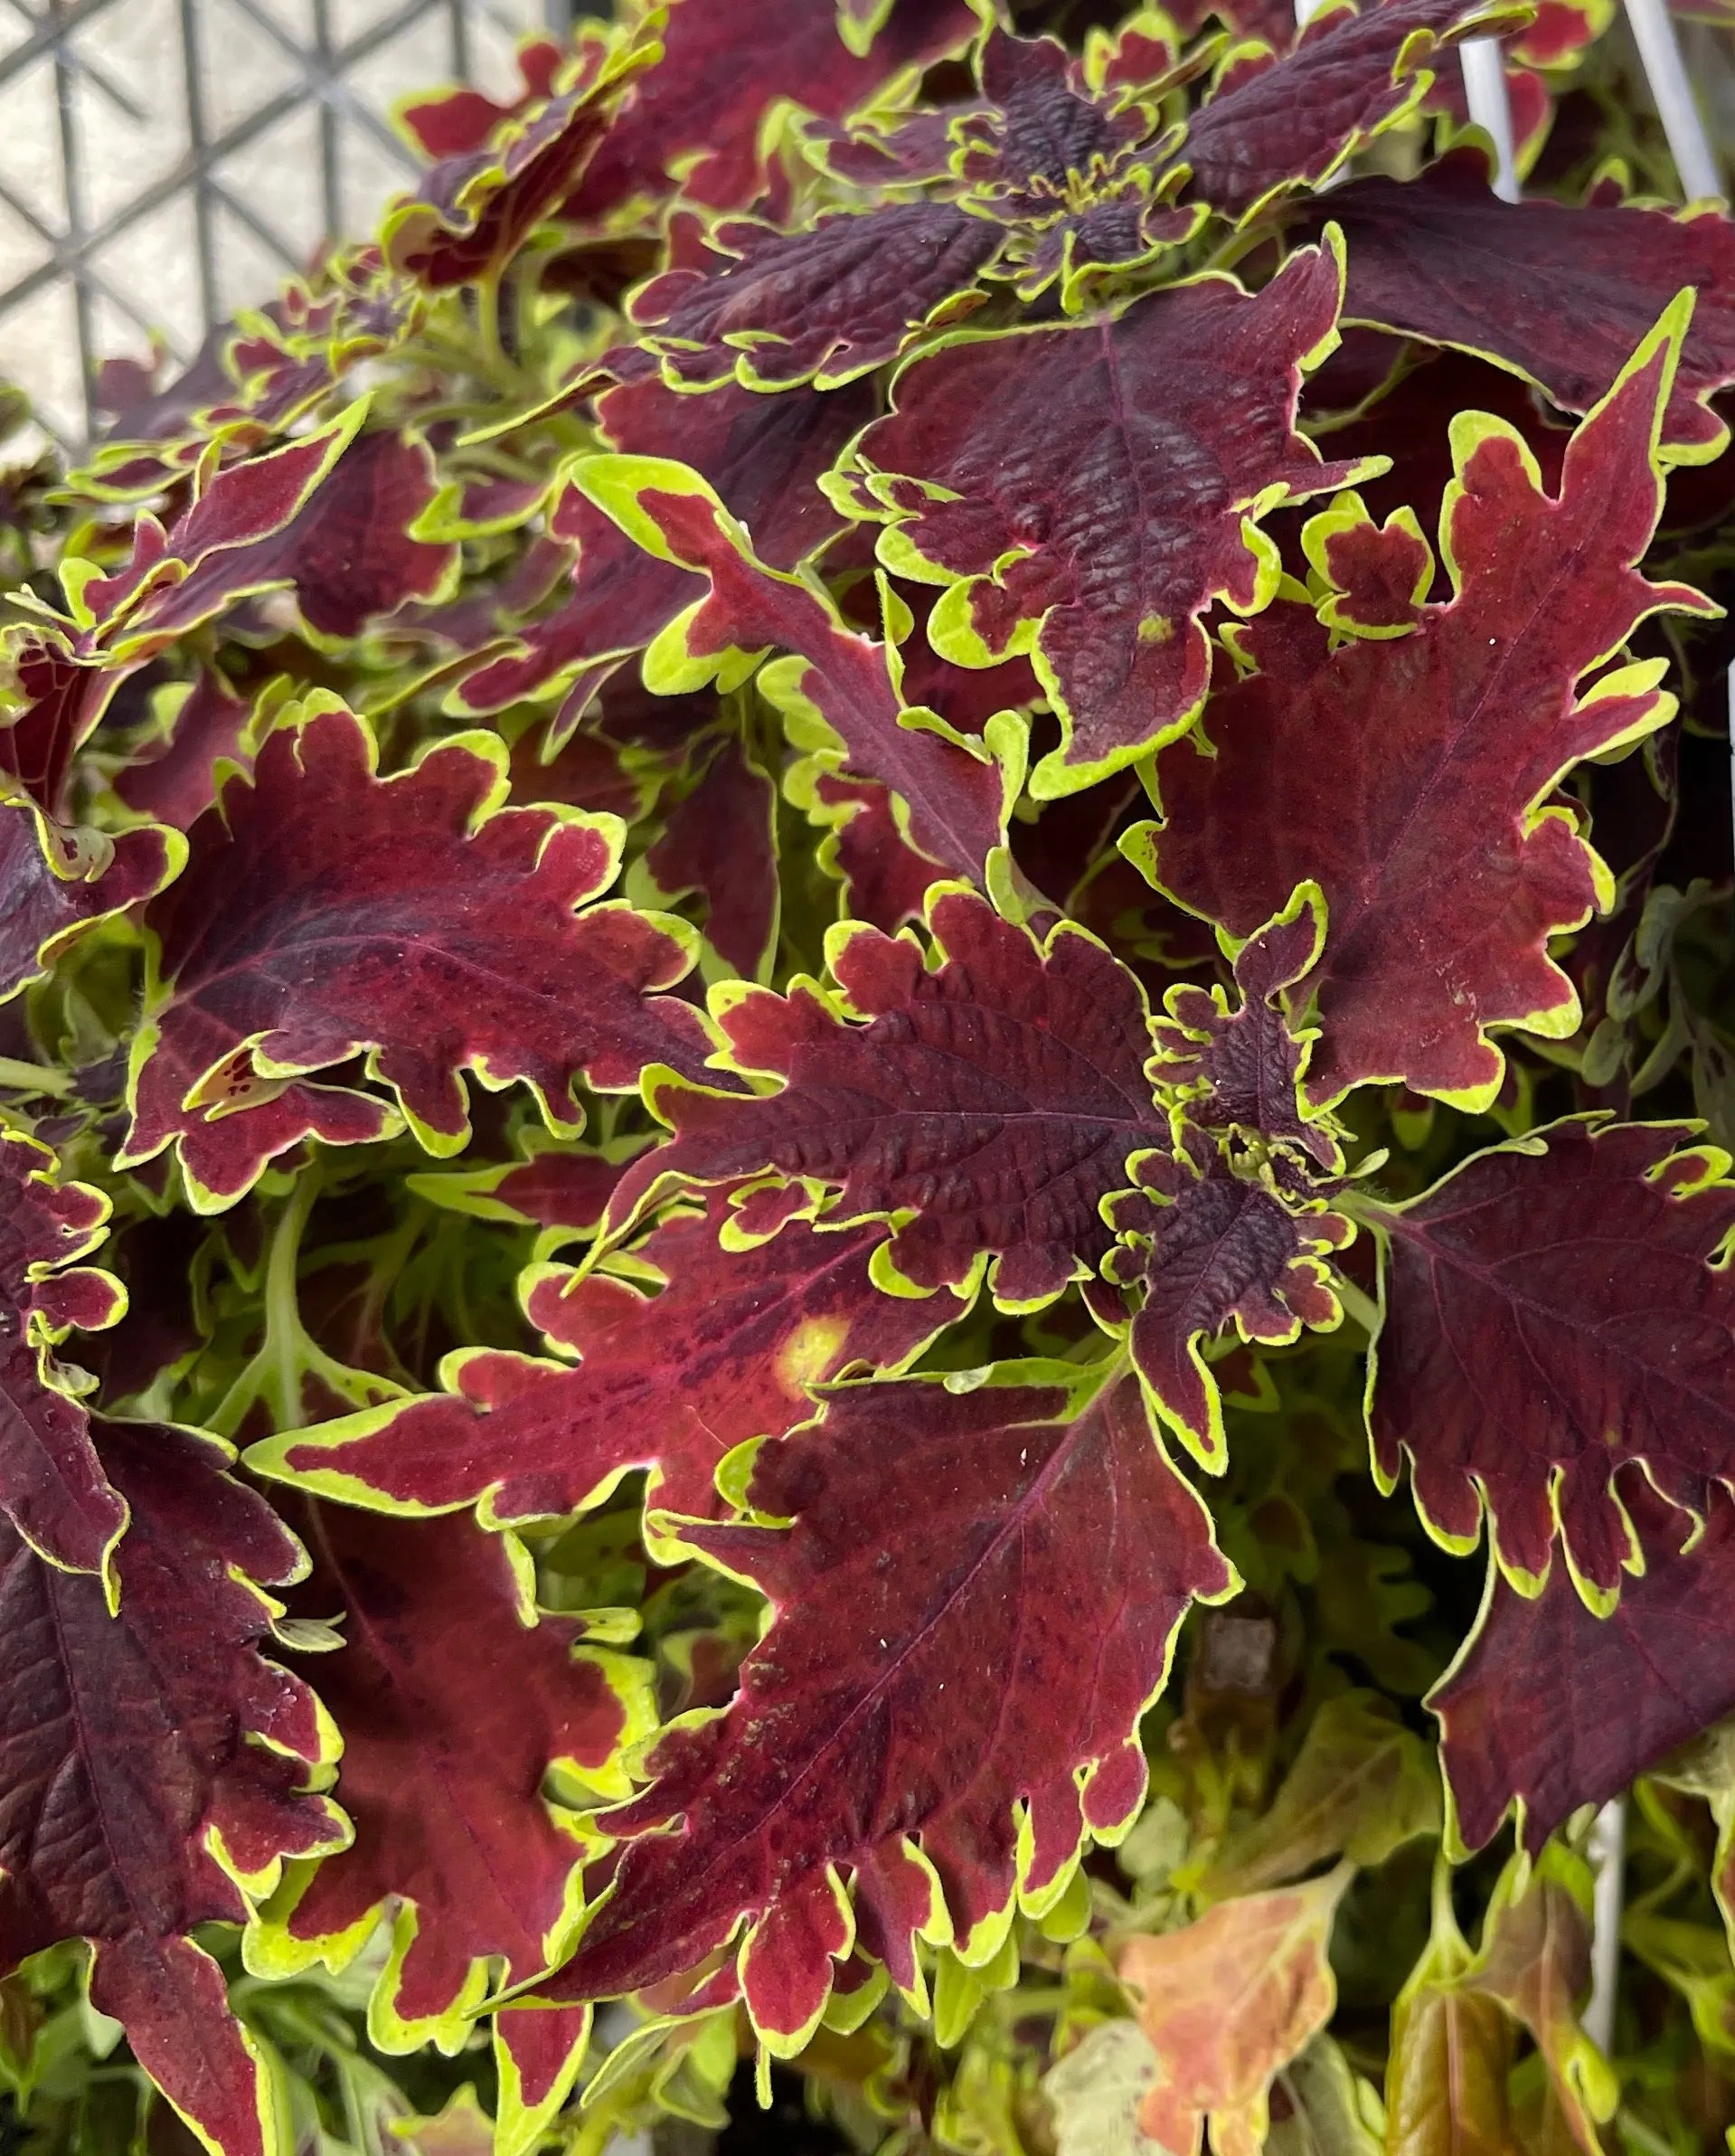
[{"x": 165, "y": 161}]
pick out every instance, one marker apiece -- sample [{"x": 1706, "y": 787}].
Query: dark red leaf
[
  {"x": 171, "y": 774},
  {"x": 763, "y": 456},
  {"x": 671, "y": 1382},
  {"x": 721, "y": 843},
  {"x": 1621, "y": 1691},
  {"x": 996, "y": 1095},
  {"x": 1560, "y": 295},
  {"x": 52, "y": 1487},
  {"x": 704, "y": 105},
  {"x": 1552, "y": 1309},
  {"x": 824, "y": 303},
  {"x": 1209, "y": 1246},
  {"x": 995, "y": 1642},
  {"x": 1274, "y": 125},
  {"x": 453, "y": 1704},
  {"x": 155, "y": 1765},
  {"x": 61, "y": 882},
  {"x": 1089, "y": 492},
  {"x": 325, "y": 911},
  {"x": 1409, "y": 774}
]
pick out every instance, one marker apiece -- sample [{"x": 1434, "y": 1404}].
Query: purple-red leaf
[
  {"x": 762, "y": 455},
  {"x": 993, "y": 1642},
  {"x": 1554, "y": 1307},
  {"x": 453, "y": 1704},
  {"x": 840, "y": 695},
  {"x": 153, "y": 1767},
  {"x": 61, "y": 881},
  {"x": 52, "y": 1487},
  {"x": 670, "y": 1381},
  {"x": 1621, "y": 1690},
  {"x": 1274, "y": 126},
  {"x": 721, "y": 843},
  {"x": 1560, "y": 295},
  {"x": 325, "y": 911},
  {"x": 1210, "y": 1245},
  {"x": 994, "y": 1096},
  {"x": 1408, "y": 773},
  {"x": 824, "y": 303},
  {"x": 1088, "y": 492}
]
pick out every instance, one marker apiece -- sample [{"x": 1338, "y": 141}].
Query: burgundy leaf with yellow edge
[
  {"x": 156, "y": 1768},
  {"x": 1556, "y": 1307},
  {"x": 478, "y": 207},
  {"x": 1543, "y": 1750},
  {"x": 1559, "y": 293},
  {"x": 763, "y": 456},
  {"x": 1086, "y": 493},
  {"x": 992, "y": 1644},
  {"x": 1274, "y": 126},
  {"x": 454, "y": 1704},
  {"x": 994, "y": 1092},
  {"x": 720, "y": 841},
  {"x": 840, "y": 694},
  {"x": 824, "y": 303},
  {"x": 61, "y": 881},
  {"x": 326, "y": 911},
  {"x": 671, "y": 1381},
  {"x": 1210, "y": 1243},
  {"x": 702, "y": 108},
  {"x": 52, "y": 1487},
  {"x": 1228, "y": 2001},
  {"x": 1409, "y": 774}
]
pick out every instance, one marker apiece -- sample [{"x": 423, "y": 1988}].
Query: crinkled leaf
[
  {"x": 1409, "y": 775},
  {"x": 670, "y": 1381},
  {"x": 1561, "y": 295},
  {"x": 1227, "y": 2000},
  {"x": 476, "y": 207},
  {"x": 1088, "y": 492},
  {"x": 52, "y": 1487},
  {"x": 762, "y": 455},
  {"x": 1274, "y": 125},
  {"x": 1660, "y": 1658},
  {"x": 701, "y": 108},
  {"x": 1553, "y": 1308},
  {"x": 841, "y": 696},
  {"x": 60, "y": 881},
  {"x": 994, "y": 1096},
  {"x": 995, "y": 1640},
  {"x": 170, "y": 774},
  {"x": 824, "y": 303},
  {"x": 155, "y": 1766},
  {"x": 325, "y": 910},
  {"x": 453, "y": 1703},
  {"x": 1209, "y": 1244}
]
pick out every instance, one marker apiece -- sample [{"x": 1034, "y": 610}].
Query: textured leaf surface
[
  {"x": 762, "y": 455},
  {"x": 721, "y": 843},
  {"x": 61, "y": 881},
  {"x": 1277, "y": 126},
  {"x": 841, "y": 694},
  {"x": 1443, "y": 865},
  {"x": 702, "y": 106},
  {"x": 1552, "y": 1309},
  {"x": 999, "y": 1636},
  {"x": 1211, "y": 1246},
  {"x": 670, "y": 1381},
  {"x": 1227, "y": 2000},
  {"x": 325, "y": 910},
  {"x": 1563, "y": 295},
  {"x": 1089, "y": 491},
  {"x": 824, "y": 303},
  {"x": 453, "y": 1703},
  {"x": 52, "y": 1487},
  {"x": 154, "y": 1763},
  {"x": 1662, "y": 1654},
  {"x": 996, "y": 1094}
]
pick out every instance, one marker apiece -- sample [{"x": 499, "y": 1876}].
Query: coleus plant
[{"x": 867, "y": 1039}]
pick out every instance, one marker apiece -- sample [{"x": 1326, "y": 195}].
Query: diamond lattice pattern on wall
[{"x": 163, "y": 162}]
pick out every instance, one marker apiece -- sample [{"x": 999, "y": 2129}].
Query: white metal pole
[
  {"x": 1607, "y": 1852},
  {"x": 1660, "y": 50},
  {"x": 1485, "y": 90}
]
